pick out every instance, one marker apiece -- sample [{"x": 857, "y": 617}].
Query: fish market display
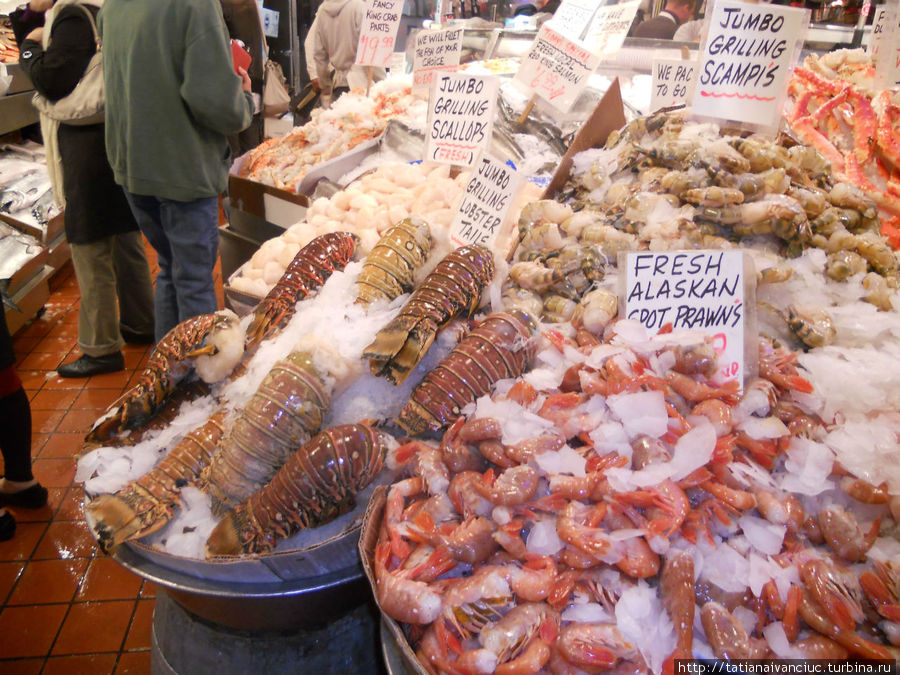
[
  {"x": 452, "y": 289},
  {"x": 9, "y": 49},
  {"x": 626, "y": 496},
  {"x": 353, "y": 119},
  {"x": 837, "y": 110},
  {"x": 389, "y": 270},
  {"x": 318, "y": 483}
]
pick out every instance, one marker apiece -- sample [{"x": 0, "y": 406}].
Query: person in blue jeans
[{"x": 172, "y": 100}]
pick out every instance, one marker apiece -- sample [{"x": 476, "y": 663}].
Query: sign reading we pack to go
[
  {"x": 378, "y": 32},
  {"x": 673, "y": 82}
]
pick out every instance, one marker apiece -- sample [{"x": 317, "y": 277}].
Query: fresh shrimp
[
  {"x": 785, "y": 510},
  {"x": 676, "y": 585},
  {"x": 638, "y": 559},
  {"x": 522, "y": 393},
  {"x": 865, "y": 492},
  {"x": 577, "y": 526},
  {"x": 667, "y": 504},
  {"x": 836, "y": 590},
  {"x": 515, "y": 486},
  {"x": 817, "y": 619},
  {"x": 457, "y": 454},
  {"x": 533, "y": 581},
  {"x": 718, "y": 413},
  {"x": 647, "y": 450},
  {"x": 522, "y": 639},
  {"x": 844, "y": 535},
  {"x": 594, "y": 646},
  {"x": 470, "y": 603},
  {"x": 696, "y": 391},
  {"x": 509, "y": 537},
  {"x": 400, "y": 596},
  {"x": 882, "y": 588},
  {"x": 727, "y": 636},
  {"x": 393, "y": 512},
  {"x": 523, "y": 451},
  {"x": 428, "y": 464},
  {"x": 821, "y": 647},
  {"x": 471, "y": 541},
  {"x": 738, "y": 499},
  {"x": 465, "y": 497}
]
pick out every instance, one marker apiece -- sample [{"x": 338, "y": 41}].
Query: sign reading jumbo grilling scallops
[
  {"x": 460, "y": 117},
  {"x": 745, "y": 61}
]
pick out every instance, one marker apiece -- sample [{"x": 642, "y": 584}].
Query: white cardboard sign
[
  {"x": 885, "y": 46},
  {"x": 673, "y": 82},
  {"x": 745, "y": 61},
  {"x": 485, "y": 203},
  {"x": 699, "y": 290},
  {"x": 378, "y": 32},
  {"x": 435, "y": 51},
  {"x": 460, "y": 117},
  {"x": 573, "y": 16},
  {"x": 610, "y": 26},
  {"x": 556, "y": 68}
]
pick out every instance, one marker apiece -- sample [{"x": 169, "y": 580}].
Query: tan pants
[{"x": 113, "y": 267}]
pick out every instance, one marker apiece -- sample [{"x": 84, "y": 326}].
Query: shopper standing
[
  {"x": 104, "y": 240},
  {"x": 663, "y": 25},
  {"x": 172, "y": 99}
]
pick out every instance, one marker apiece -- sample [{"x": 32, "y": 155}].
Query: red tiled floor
[
  {"x": 54, "y": 399},
  {"x": 22, "y": 546},
  {"x": 133, "y": 663},
  {"x": 79, "y": 421},
  {"x": 30, "y": 630},
  {"x": 93, "y": 627},
  {"x": 81, "y": 664},
  {"x": 48, "y": 581},
  {"x": 97, "y": 399},
  {"x": 141, "y": 626},
  {"x": 108, "y": 580},
  {"x": 9, "y": 574},
  {"x": 22, "y": 666},
  {"x": 70, "y": 539},
  {"x": 46, "y": 421},
  {"x": 53, "y": 472},
  {"x": 72, "y": 507},
  {"x": 43, "y": 360},
  {"x": 61, "y": 446}
]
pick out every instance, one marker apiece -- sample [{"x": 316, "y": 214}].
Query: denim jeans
[{"x": 186, "y": 238}]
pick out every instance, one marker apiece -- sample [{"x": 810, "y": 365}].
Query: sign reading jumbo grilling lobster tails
[{"x": 745, "y": 62}]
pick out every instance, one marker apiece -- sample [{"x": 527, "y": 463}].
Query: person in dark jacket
[
  {"x": 17, "y": 486},
  {"x": 106, "y": 246},
  {"x": 172, "y": 100},
  {"x": 663, "y": 25},
  {"x": 244, "y": 23}
]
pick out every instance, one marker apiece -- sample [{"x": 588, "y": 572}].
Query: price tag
[
  {"x": 699, "y": 290},
  {"x": 886, "y": 52},
  {"x": 673, "y": 82},
  {"x": 487, "y": 199},
  {"x": 397, "y": 63},
  {"x": 880, "y": 27},
  {"x": 378, "y": 32},
  {"x": 610, "y": 26},
  {"x": 745, "y": 60},
  {"x": 460, "y": 117},
  {"x": 573, "y": 16},
  {"x": 436, "y": 51},
  {"x": 556, "y": 68}
]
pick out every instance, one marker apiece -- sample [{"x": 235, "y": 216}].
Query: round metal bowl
[{"x": 256, "y": 606}]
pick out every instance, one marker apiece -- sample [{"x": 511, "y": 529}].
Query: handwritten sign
[
  {"x": 556, "y": 68},
  {"x": 436, "y": 51},
  {"x": 745, "y": 60},
  {"x": 609, "y": 27},
  {"x": 573, "y": 16},
  {"x": 378, "y": 32},
  {"x": 886, "y": 46},
  {"x": 460, "y": 117},
  {"x": 487, "y": 199},
  {"x": 397, "y": 63},
  {"x": 673, "y": 82},
  {"x": 699, "y": 290}
]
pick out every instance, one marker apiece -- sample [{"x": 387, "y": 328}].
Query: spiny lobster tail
[{"x": 388, "y": 270}]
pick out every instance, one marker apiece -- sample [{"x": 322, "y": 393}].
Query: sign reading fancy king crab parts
[
  {"x": 556, "y": 68},
  {"x": 460, "y": 117},
  {"x": 699, "y": 290},
  {"x": 378, "y": 32},
  {"x": 745, "y": 61}
]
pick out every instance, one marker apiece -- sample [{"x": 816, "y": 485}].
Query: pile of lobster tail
[
  {"x": 309, "y": 269},
  {"x": 147, "y": 504},
  {"x": 282, "y": 415},
  {"x": 453, "y": 288},
  {"x": 499, "y": 347},
  {"x": 170, "y": 361},
  {"x": 388, "y": 270},
  {"x": 316, "y": 485}
]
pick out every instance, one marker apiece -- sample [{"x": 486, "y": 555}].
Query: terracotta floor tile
[
  {"x": 60, "y": 343},
  {"x": 110, "y": 380},
  {"x": 54, "y": 399},
  {"x": 43, "y": 360},
  {"x": 48, "y": 581},
  {"x": 57, "y": 382},
  {"x": 23, "y": 345},
  {"x": 71, "y": 317},
  {"x": 9, "y": 574},
  {"x": 134, "y": 663},
  {"x": 72, "y": 507},
  {"x": 64, "y": 330},
  {"x": 108, "y": 580},
  {"x": 23, "y": 544},
  {"x": 54, "y": 472},
  {"x": 93, "y": 627},
  {"x": 46, "y": 421},
  {"x": 148, "y": 590},
  {"x": 79, "y": 421},
  {"x": 133, "y": 359},
  {"x": 96, "y": 399},
  {"x": 29, "y": 631},
  {"x": 61, "y": 445},
  {"x": 37, "y": 328},
  {"x": 141, "y": 626},
  {"x": 82, "y": 664},
  {"x": 37, "y": 442},
  {"x": 65, "y": 540},
  {"x": 21, "y": 666},
  {"x": 32, "y": 379},
  {"x": 43, "y": 514}
]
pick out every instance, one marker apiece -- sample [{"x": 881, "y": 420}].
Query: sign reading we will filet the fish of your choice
[{"x": 745, "y": 62}]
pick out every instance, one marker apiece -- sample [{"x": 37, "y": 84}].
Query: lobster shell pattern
[
  {"x": 144, "y": 506},
  {"x": 453, "y": 287},
  {"x": 166, "y": 366},
  {"x": 282, "y": 415},
  {"x": 316, "y": 485},
  {"x": 388, "y": 270},
  {"x": 309, "y": 269},
  {"x": 499, "y": 347}
]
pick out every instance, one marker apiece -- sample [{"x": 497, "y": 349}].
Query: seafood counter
[{"x": 557, "y": 489}]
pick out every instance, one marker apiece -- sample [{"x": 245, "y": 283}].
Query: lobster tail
[
  {"x": 399, "y": 346},
  {"x": 389, "y": 269},
  {"x": 114, "y": 519}
]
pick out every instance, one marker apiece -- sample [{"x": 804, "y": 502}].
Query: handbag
[
  {"x": 276, "y": 100},
  {"x": 84, "y": 104}
]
